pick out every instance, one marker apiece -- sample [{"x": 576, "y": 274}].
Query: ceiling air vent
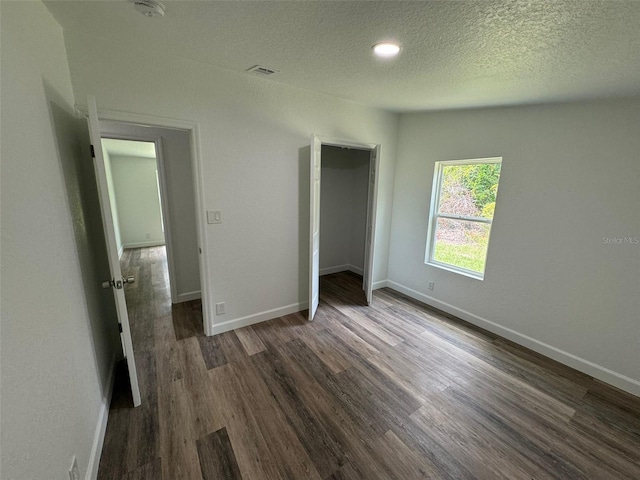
[
  {"x": 149, "y": 8},
  {"x": 259, "y": 70}
]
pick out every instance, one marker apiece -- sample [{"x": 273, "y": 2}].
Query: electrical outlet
[
  {"x": 432, "y": 285},
  {"x": 74, "y": 471},
  {"x": 220, "y": 308}
]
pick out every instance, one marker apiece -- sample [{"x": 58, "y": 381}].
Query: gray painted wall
[
  {"x": 570, "y": 180},
  {"x": 59, "y": 330},
  {"x": 343, "y": 208},
  {"x": 135, "y": 188}
]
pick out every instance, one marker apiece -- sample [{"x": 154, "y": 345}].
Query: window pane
[
  {"x": 461, "y": 243},
  {"x": 469, "y": 190}
]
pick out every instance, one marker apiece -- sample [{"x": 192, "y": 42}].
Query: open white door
[
  {"x": 314, "y": 227},
  {"x": 116, "y": 281},
  {"x": 367, "y": 277}
]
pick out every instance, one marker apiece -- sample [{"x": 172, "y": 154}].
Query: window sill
[{"x": 459, "y": 271}]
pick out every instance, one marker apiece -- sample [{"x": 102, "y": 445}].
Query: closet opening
[
  {"x": 344, "y": 198},
  {"x": 343, "y": 194}
]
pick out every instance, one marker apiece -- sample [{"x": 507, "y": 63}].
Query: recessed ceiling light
[{"x": 386, "y": 49}]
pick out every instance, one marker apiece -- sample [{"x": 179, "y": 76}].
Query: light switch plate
[{"x": 214, "y": 216}]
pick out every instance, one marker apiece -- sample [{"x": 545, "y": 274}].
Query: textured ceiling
[
  {"x": 128, "y": 148},
  {"x": 454, "y": 54}
]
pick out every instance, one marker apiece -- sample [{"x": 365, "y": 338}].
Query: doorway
[
  {"x": 134, "y": 193},
  {"x": 136, "y": 200},
  {"x": 177, "y": 201},
  {"x": 342, "y": 213},
  {"x": 344, "y": 196},
  {"x": 167, "y": 219}
]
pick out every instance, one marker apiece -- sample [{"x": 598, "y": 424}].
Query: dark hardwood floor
[{"x": 391, "y": 391}]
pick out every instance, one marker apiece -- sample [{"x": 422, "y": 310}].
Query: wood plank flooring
[{"x": 395, "y": 390}]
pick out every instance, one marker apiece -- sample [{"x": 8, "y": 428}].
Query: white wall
[
  {"x": 176, "y": 154},
  {"x": 254, "y": 138},
  {"x": 343, "y": 209},
  {"x": 570, "y": 176},
  {"x": 112, "y": 199},
  {"x": 56, "y": 346},
  {"x": 136, "y": 193}
]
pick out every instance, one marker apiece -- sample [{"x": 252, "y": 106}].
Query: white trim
[
  {"x": 341, "y": 268},
  {"x": 371, "y": 222},
  {"x": 356, "y": 270},
  {"x": 338, "y": 142},
  {"x": 188, "y": 296},
  {"x": 454, "y": 269},
  {"x": 315, "y": 194},
  {"x": 196, "y": 163},
  {"x": 142, "y": 244},
  {"x": 101, "y": 427},
  {"x": 380, "y": 284},
  {"x": 592, "y": 369},
  {"x": 208, "y": 311},
  {"x": 120, "y": 251},
  {"x": 258, "y": 317},
  {"x": 336, "y": 269},
  {"x": 137, "y": 118}
]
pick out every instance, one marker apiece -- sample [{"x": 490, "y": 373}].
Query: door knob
[{"x": 118, "y": 283}]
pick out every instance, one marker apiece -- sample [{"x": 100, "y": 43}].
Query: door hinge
[
  {"x": 93, "y": 151},
  {"x": 120, "y": 327}
]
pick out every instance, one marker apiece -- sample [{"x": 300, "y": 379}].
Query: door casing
[{"x": 196, "y": 165}]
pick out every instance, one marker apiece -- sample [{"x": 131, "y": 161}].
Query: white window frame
[{"x": 434, "y": 215}]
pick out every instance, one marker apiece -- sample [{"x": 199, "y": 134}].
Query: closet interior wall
[{"x": 343, "y": 209}]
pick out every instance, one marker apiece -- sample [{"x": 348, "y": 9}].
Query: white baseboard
[
  {"x": 155, "y": 243},
  {"x": 592, "y": 369},
  {"x": 341, "y": 268},
  {"x": 357, "y": 270},
  {"x": 188, "y": 296},
  {"x": 380, "y": 284},
  {"x": 336, "y": 269},
  {"x": 101, "y": 427},
  {"x": 120, "y": 251},
  {"x": 258, "y": 317}
]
